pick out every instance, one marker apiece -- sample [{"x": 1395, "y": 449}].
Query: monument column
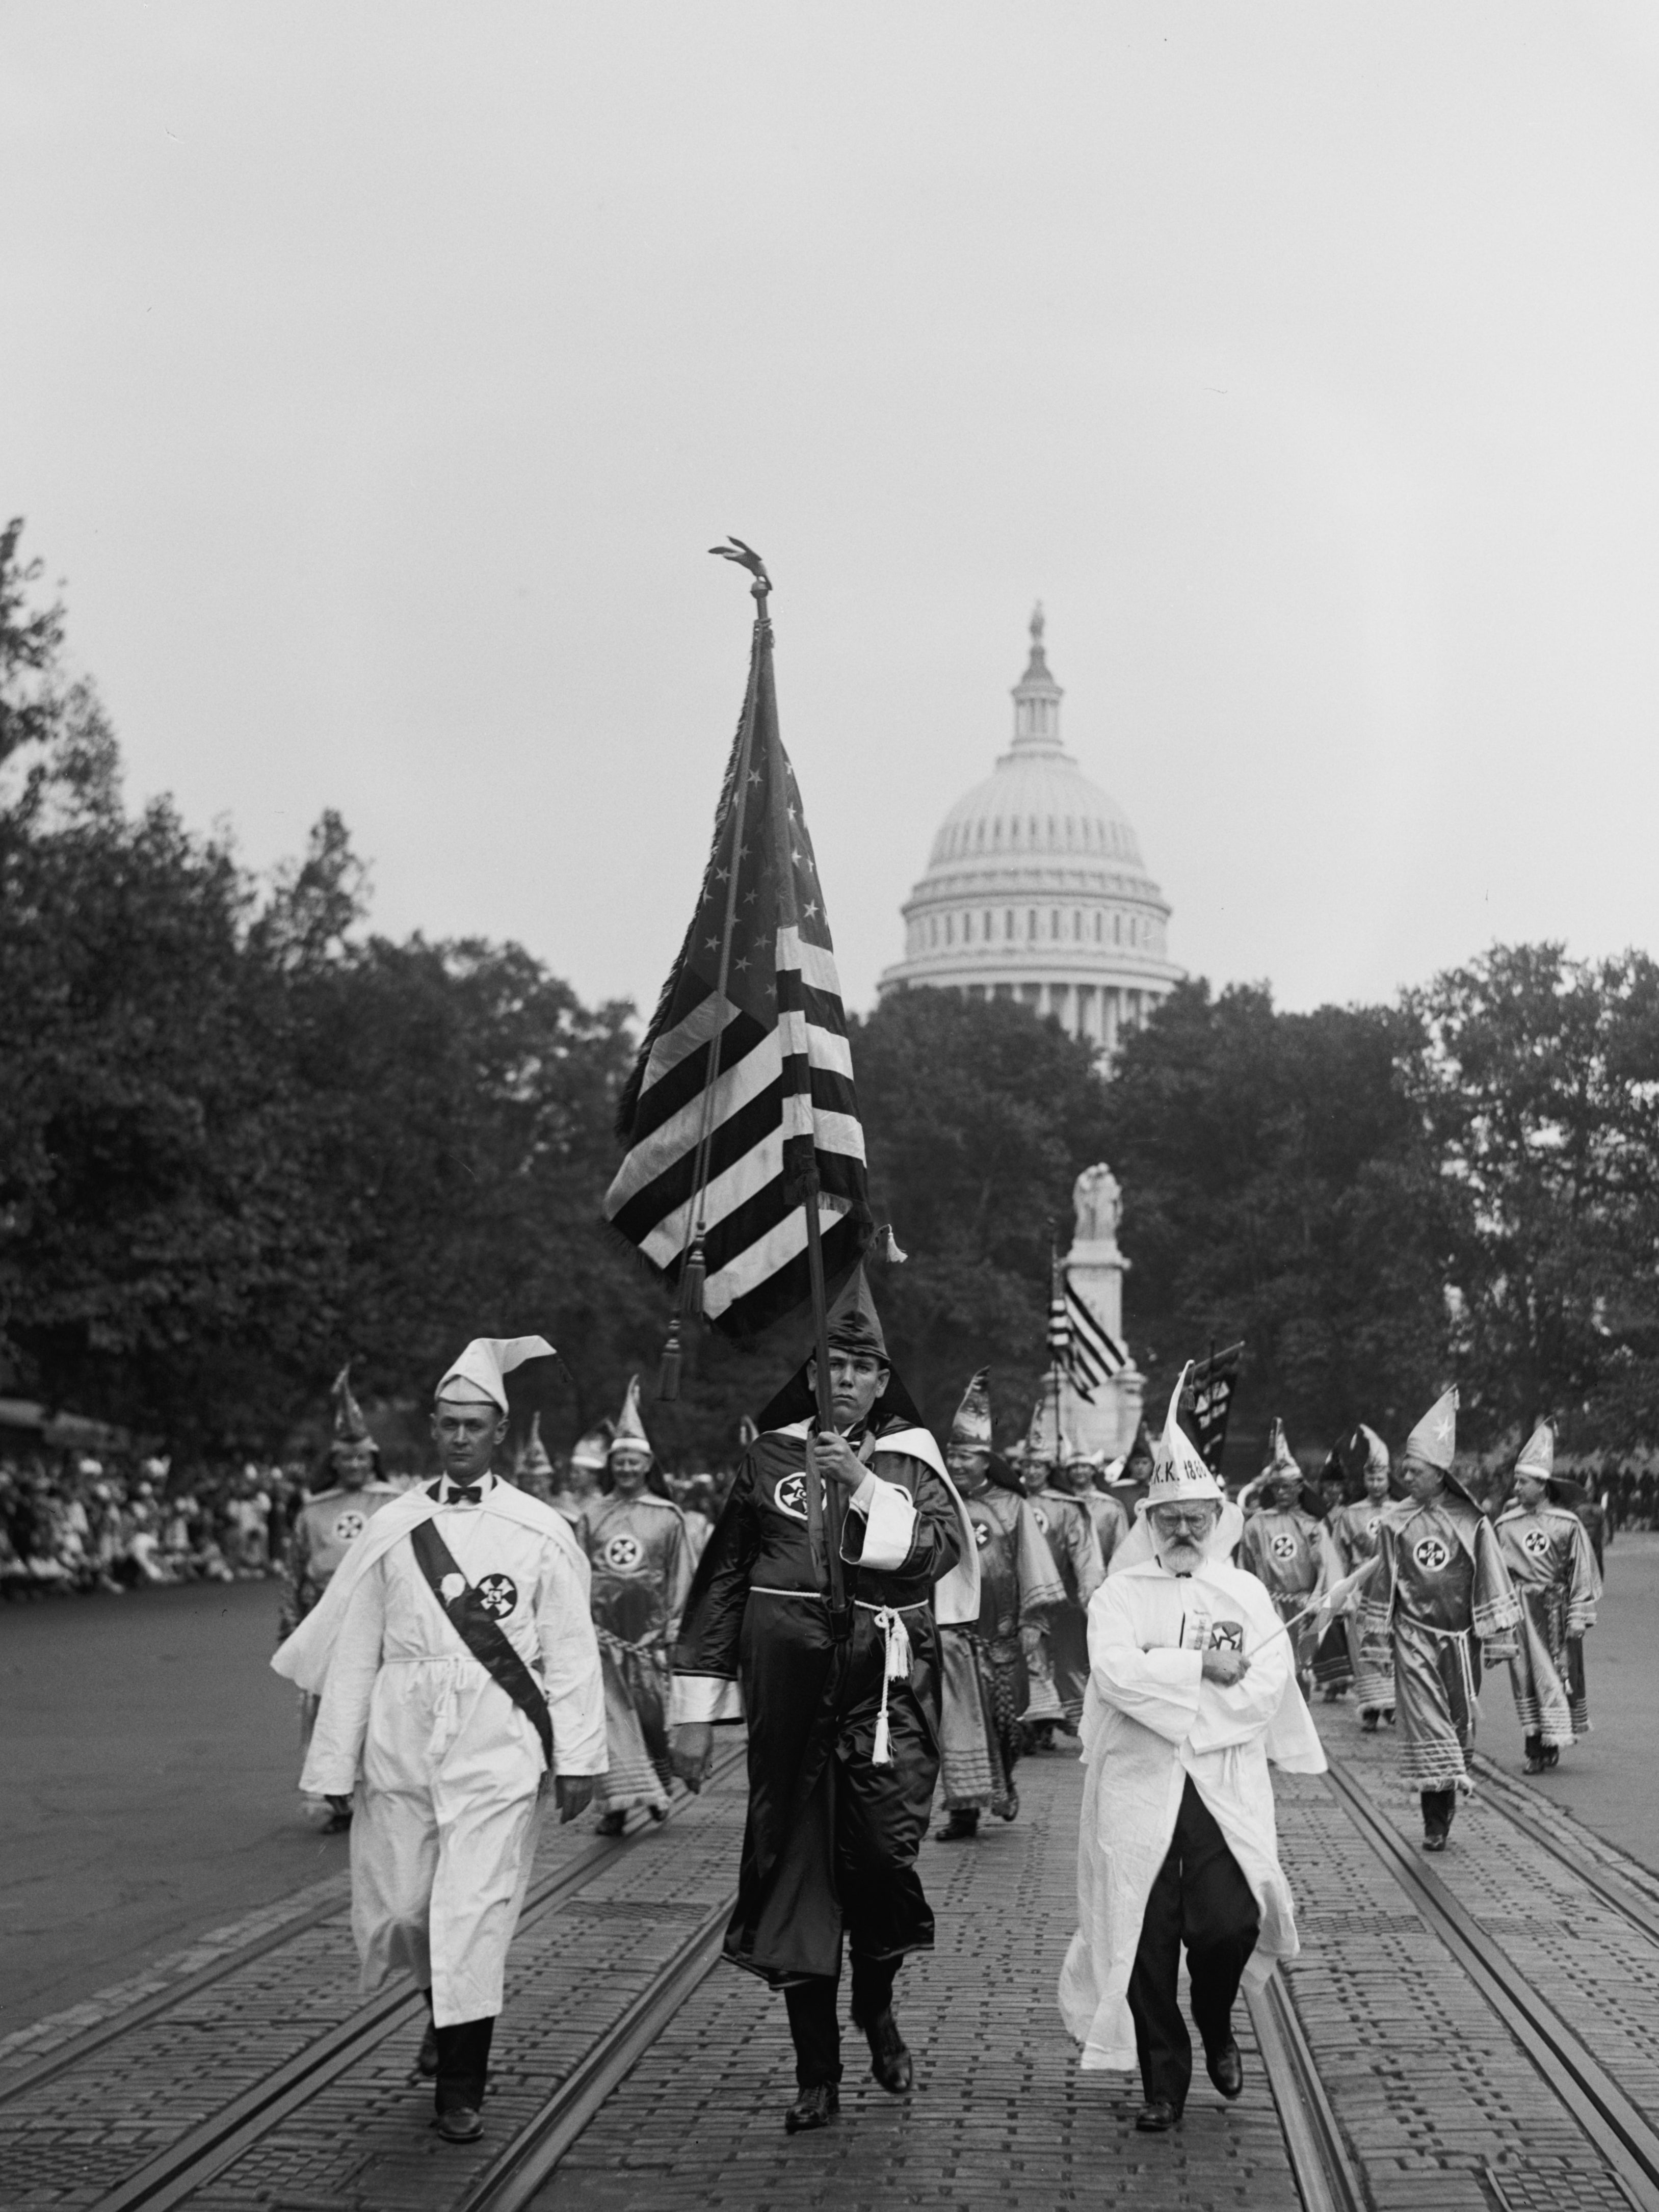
[{"x": 1094, "y": 1266}]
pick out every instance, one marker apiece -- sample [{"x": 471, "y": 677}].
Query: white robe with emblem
[
  {"x": 446, "y": 1769},
  {"x": 1150, "y": 1720}
]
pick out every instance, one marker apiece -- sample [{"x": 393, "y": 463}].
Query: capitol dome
[{"x": 1036, "y": 889}]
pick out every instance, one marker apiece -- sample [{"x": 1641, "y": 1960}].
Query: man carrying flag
[
  {"x": 1440, "y": 1593},
  {"x": 456, "y": 1669},
  {"x": 843, "y": 1713}
]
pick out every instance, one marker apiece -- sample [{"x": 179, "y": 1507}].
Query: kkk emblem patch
[
  {"x": 498, "y": 1594},
  {"x": 622, "y": 1553},
  {"x": 1041, "y": 1518},
  {"x": 1536, "y": 1543},
  {"x": 1432, "y": 1553},
  {"x": 349, "y": 1524},
  {"x": 982, "y": 1535},
  {"x": 1227, "y": 1635},
  {"x": 1282, "y": 1547},
  {"x": 790, "y": 1496}
]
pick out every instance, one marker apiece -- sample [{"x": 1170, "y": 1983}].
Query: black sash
[{"x": 483, "y": 1635}]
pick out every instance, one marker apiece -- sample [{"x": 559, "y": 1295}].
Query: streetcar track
[
  {"x": 1616, "y": 2129},
  {"x": 1325, "y": 2176},
  {"x": 1515, "y": 1804},
  {"x": 170, "y": 2176}
]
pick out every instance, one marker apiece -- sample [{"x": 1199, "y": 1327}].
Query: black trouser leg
[
  {"x": 873, "y": 1988},
  {"x": 463, "y": 2062},
  {"x": 1200, "y": 1897},
  {"x": 1162, "y": 2043},
  {"x": 814, "y": 2029},
  {"x": 1438, "y": 1806}
]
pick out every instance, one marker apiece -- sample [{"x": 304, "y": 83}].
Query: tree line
[{"x": 242, "y": 1135}]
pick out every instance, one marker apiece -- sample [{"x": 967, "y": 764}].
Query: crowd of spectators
[{"x": 71, "y": 1521}]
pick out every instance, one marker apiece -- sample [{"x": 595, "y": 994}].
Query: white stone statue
[{"x": 1096, "y": 1200}]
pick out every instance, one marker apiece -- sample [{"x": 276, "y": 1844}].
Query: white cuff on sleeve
[
  {"x": 890, "y": 1526},
  {"x": 704, "y": 1698}
]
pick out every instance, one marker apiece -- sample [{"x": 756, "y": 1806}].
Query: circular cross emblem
[
  {"x": 1041, "y": 1518},
  {"x": 498, "y": 1594},
  {"x": 622, "y": 1553},
  {"x": 1227, "y": 1635},
  {"x": 1283, "y": 1547},
  {"x": 982, "y": 1535},
  {"x": 349, "y": 1524},
  {"x": 790, "y": 1496},
  {"x": 1536, "y": 1543},
  {"x": 1432, "y": 1553}
]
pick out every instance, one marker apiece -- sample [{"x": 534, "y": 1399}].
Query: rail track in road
[
  {"x": 1623, "y": 2135},
  {"x": 171, "y": 2174}
]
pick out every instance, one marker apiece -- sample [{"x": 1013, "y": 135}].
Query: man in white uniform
[
  {"x": 1191, "y": 1688},
  {"x": 457, "y": 1667}
]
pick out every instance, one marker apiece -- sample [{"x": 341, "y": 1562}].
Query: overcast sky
[{"x": 375, "y": 376}]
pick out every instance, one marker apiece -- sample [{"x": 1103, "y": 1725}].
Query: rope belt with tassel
[{"x": 890, "y": 1619}]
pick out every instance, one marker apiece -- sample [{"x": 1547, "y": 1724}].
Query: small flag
[
  {"x": 1208, "y": 1400},
  {"x": 735, "y": 1101}
]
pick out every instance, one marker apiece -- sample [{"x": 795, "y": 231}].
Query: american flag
[
  {"x": 775, "y": 1049},
  {"x": 1085, "y": 1352}
]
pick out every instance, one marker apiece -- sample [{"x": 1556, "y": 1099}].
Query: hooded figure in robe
[{"x": 1546, "y": 1549}]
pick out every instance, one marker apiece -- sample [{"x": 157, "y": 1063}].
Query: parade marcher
[
  {"x": 579, "y": 1489},
  {"x": 1354, "y": 1533},
  {"x": 1440, "y": 1592},
  {"x": 457, "y": 1668},
  {"x": 326, "y": 1525},
  {"x": 1547, "y": 1551},
  {"x": 1290, "y": 1552},
  {"x": 641, "y": 1557},
  {"x": 842, "y": 1701},
  {"x": 1192, "y": 1689},
  {"x": 1065, "y": 1521},
  {"x": 534, "y": 1470},
  {"x": 1085, "y": 1475},
  {"x": 983, "y": 1671}
]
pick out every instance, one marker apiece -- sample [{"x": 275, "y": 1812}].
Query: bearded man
[
  {"x": 840, "y": 1690},
  {"x": 1191, "y": 1690}
]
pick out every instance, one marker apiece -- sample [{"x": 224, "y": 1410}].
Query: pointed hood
[
  {"x": 589, "y": 1451},
  {"x": 350, "y": 1426},
  {"x": 1434, "y": 1440},
  {"x": 1538, "y": 1455},
  {"x": 1141, "y": 1457},
  {"x": 971, "y": 1425},
  {"x": 1283, "y": 1461},
  {"x": 854, "y": 1324},
  {"x": 1179, "y": 1473},
  {"x": 628, "y": 1435},
  {"x": 481, "y": 1371},
  {"x": 533, "y": 1460},
  {"x": 1375, "y": 1460}
]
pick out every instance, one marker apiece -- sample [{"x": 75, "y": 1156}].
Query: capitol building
[{"x": 1036, "y": 889}]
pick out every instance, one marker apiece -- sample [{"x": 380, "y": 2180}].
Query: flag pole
[
  {"x": 839, "y": 1620},
  {"x": 687, "y": 1303}
]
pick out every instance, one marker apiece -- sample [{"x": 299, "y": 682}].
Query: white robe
[
  {"x": 1149, "y": 1720},
  {"x": 445, "y": 1769}
]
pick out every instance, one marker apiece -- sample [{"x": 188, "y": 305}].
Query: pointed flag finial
[{"x": 746, "y": 558}]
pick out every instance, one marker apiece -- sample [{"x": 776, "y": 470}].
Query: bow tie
[{"x": 461, "y": 1493}]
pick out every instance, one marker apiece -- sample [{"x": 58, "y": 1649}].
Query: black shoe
[
  {"x": 336, "y": 1824},
  {"x": 611, "y": 1824},
  {"x": 1157, "y": 2117},
  {"x": 1225, "y": 2068},
  {"x": 1434, "y": 1839},
  {"x": 460, "y": 2124},
  {"x": 889, "y": 2056},
  {"x": 815, "y": 2107},
  {"x": 426, "y": 2063},
  {"x": 1368, "y": 1723},
  {"x": 961, "y": 1827},
  {"x": 1011, "y": 1810}
]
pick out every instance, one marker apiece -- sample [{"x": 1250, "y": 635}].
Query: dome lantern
[{"x": 1036, "y": 889}]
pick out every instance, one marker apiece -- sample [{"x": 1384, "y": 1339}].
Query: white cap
[
  {"x": 1179, "y": 1473},
  {"x": 1434, "y": 1440},
  {"x": 1539, "y": 1457},
  {"x": 478, "y": 1377},
  {"x": 630, "y": 1435}
]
